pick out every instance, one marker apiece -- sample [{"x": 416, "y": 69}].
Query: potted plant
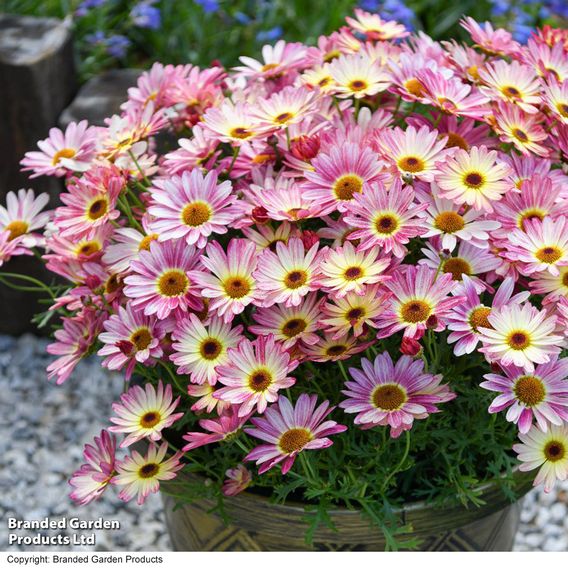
[{"x": 338, "y": 275}]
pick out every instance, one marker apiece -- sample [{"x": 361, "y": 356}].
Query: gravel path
[{"x": 47, "y": 426}]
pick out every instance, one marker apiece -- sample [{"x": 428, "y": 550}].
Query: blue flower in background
[
  {"x": 391, "y": 10},
  {"x": 145, "y": 15},
  {"x": 269, "y": 35},
  {"x": 242, "y": 18},
  {"x": 87, "y": 5},
  {"x": 117, "y": 45},
  {"x": 98, "y": 38},
  {"x": 208, "y": 6}
]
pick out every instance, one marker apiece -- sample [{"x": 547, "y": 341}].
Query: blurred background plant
[{"x": 134, "y": 33}]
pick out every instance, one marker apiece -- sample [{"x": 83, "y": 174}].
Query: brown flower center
[
  {"x": 196, "y": 214},
  {"x": 415, "y": 311},
  {"x": 519, "y": 340},
  {"x": 294, "y": 327},
  {"x": 355, "y": 314},
  {"x": 295, "y": 279},
  {"x": 240, "y": 132},
  {"x": 386, "y": 224},
  {"x": 520, "y": 135},
  {"x": 529, "y": 215},
  {"x": 562, "y": 109},
  {"x": 358, "y": 85},
  {"x": 150, "y": 419},
  {"x": 479, "y": 317},
  {"x": 173, "y": 283},
  {"x": 411, "y": 164},
  {"x": 353, "y": 273},
  {"x": 17, "y": 229},
  {"x": 112, "y": 284},
  {"x": 457, "y": 267},
  {"x": 88, "y": 248},
  {"x": 346, "y": 186},
  {"x": 529, "y": 390},
  {"x": 473, "y": 180},
  {"x": 388, "y": 397},
  {"x": 210, "y": 349},
  {"x": 148, "y": 470},
  {"x": 336, "y": 350},
  {"x": 236, "y": 287},
  {"x": 260, "y": 380},
  {"x": 449, "y": 222},
  {"x": 145, "y": 242},
  {"x": 511, "y": 92},
  {"x": 283, "y": 117},
  {"x": 63, "y": 153},
  {"x": 555, "y": 450},
  {"x": 294, "y": 440},
  {"x": 141, "y": 338},
  {"x": 456, "y": 141},
  {"x": 549, "y": 255},
  {"x": 97, "y": 209}
]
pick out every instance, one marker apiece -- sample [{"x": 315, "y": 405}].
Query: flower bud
[
  {"x": 260, "y": 215},
  {"x": 410, "y": 347},
  {"x": 432, "y": 322},
  {"x": 309, "y": 238},
  {"x": 305, "y": 148}
]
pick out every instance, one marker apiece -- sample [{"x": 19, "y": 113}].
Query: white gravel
[{"x": 45, "y": 426}]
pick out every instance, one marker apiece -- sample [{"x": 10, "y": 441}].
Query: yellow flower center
[
  {"x": 388, "y": 397},
  {"x": 529, "y": 390},
  {"x": 358, "y": 85},
  {"x": 346, "y": 186},
  {"x": 210, "y": 348},
  {"x": 112, "y": 284},
  {"x": 294, "y": 327},
  {"x": 353, "y": 273},
  {"x": 236, "y": 287},
  {"x": 519, "y": 340},
  {"x": 97, "y": 209},
  {"x": 88, "y": 248},
  {"x": 449, "y": 222},
  {"x": 529, "y": 215},
  {"x": 294, "y": 440},
  {"x": 331, "y": 55},
  {"x": 260, "y": 380},
  {"x": 283, "y": 118},
  {"x": 335, "y": 350},
  {"x": 63, "y": 153},
  {"x": 415, "y": 311},
  {"x": 148, "y": 470},
  {"x": 355, "y": 314},
  {"x": 141, "y": 338},
  {"x": 479, "y": 317},
  {"x": 269, "y": 67},
  {"x": 414, "y": 87},
  {"x": 17, "y": 229},
  {"x": 145, "y": 242},
  {"x": 549, "y": 255},
  {"x": 150, "y": 419},
  {"x": 555, "y": 450},
  {"x": 562, "y": 109},
  {"x": 411, "y": 164},
  {"x": 511, "y": 92},
  {"x": 196, "y": 214},
  {"x": 386, "y": 224},
  {"x": 520, "y": 135},
  {"x": 295, "y": 279},
  {"x": 474, "y": 180},
  {"x": 457, "y": 267},
  {"x": 173, "y": 283},
  {"x": 240, "y": 132}
]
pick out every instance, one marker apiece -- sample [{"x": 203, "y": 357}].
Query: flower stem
[{"x": 399, "y": 465}]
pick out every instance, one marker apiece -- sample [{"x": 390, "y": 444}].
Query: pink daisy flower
[
  {"x": 384, "y": 394},
  {"x": 337, "y": 175},
  {"x": 329, "y": 348},
  {"x": 63, "y": 152},
  {"x": 541, "y": 395},
  {"x": 129, "y": 338},
  {"x": 91, "y": 480},
  {"x": 198, "y": 151},
  {"x": 144, "y": 413},
  {"x": 556, "y": 98},
  {"x": 547, "y": 451},
  {"x": 256, "y": 372},
  {"x": 289, "y": 324},
  {"x": 476, "y": 178},
  {"x": 385, "y": 219},
  {"x": 374, "y": 27},
  {"x": 237, "y": 480},
  {"x": 141, "y": 475},
  {"x": 206, "y": 399},
  {"x": 230, "y": 285},
  {"x": 493, "y": 41},
  {"x": 233, "y": 123},
  {"x": 520, "y": 336},
  {"x": 10, "y": 248},
  {"x": 469, "y": 315},
  {"x": 286, "y": 107},
  {"x": 23, "y": 215},
  {"x": 348, "y": 269},
  {"x": 289, "y": 430},
  {"x": 418, "y": 298},
  {"x": 413, "y": 153},
  {"x": 90, "y": 202},
  {"x": 218, "y": 429},
  {"x": 541, "y": 245},
  {"x": 277, "y": 61},
  {"x": 289, "y": 274},
  {"x": 191, "y": 207},
  {"x": 357, "y": 76},
  {"x": 199, "y": 349},
  {"x": 163, "y": 280}
]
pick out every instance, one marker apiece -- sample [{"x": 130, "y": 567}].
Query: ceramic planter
[{"x": 257, "y": 524}]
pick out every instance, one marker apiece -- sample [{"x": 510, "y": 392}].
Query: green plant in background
[{"x": 126, "y": 33}]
